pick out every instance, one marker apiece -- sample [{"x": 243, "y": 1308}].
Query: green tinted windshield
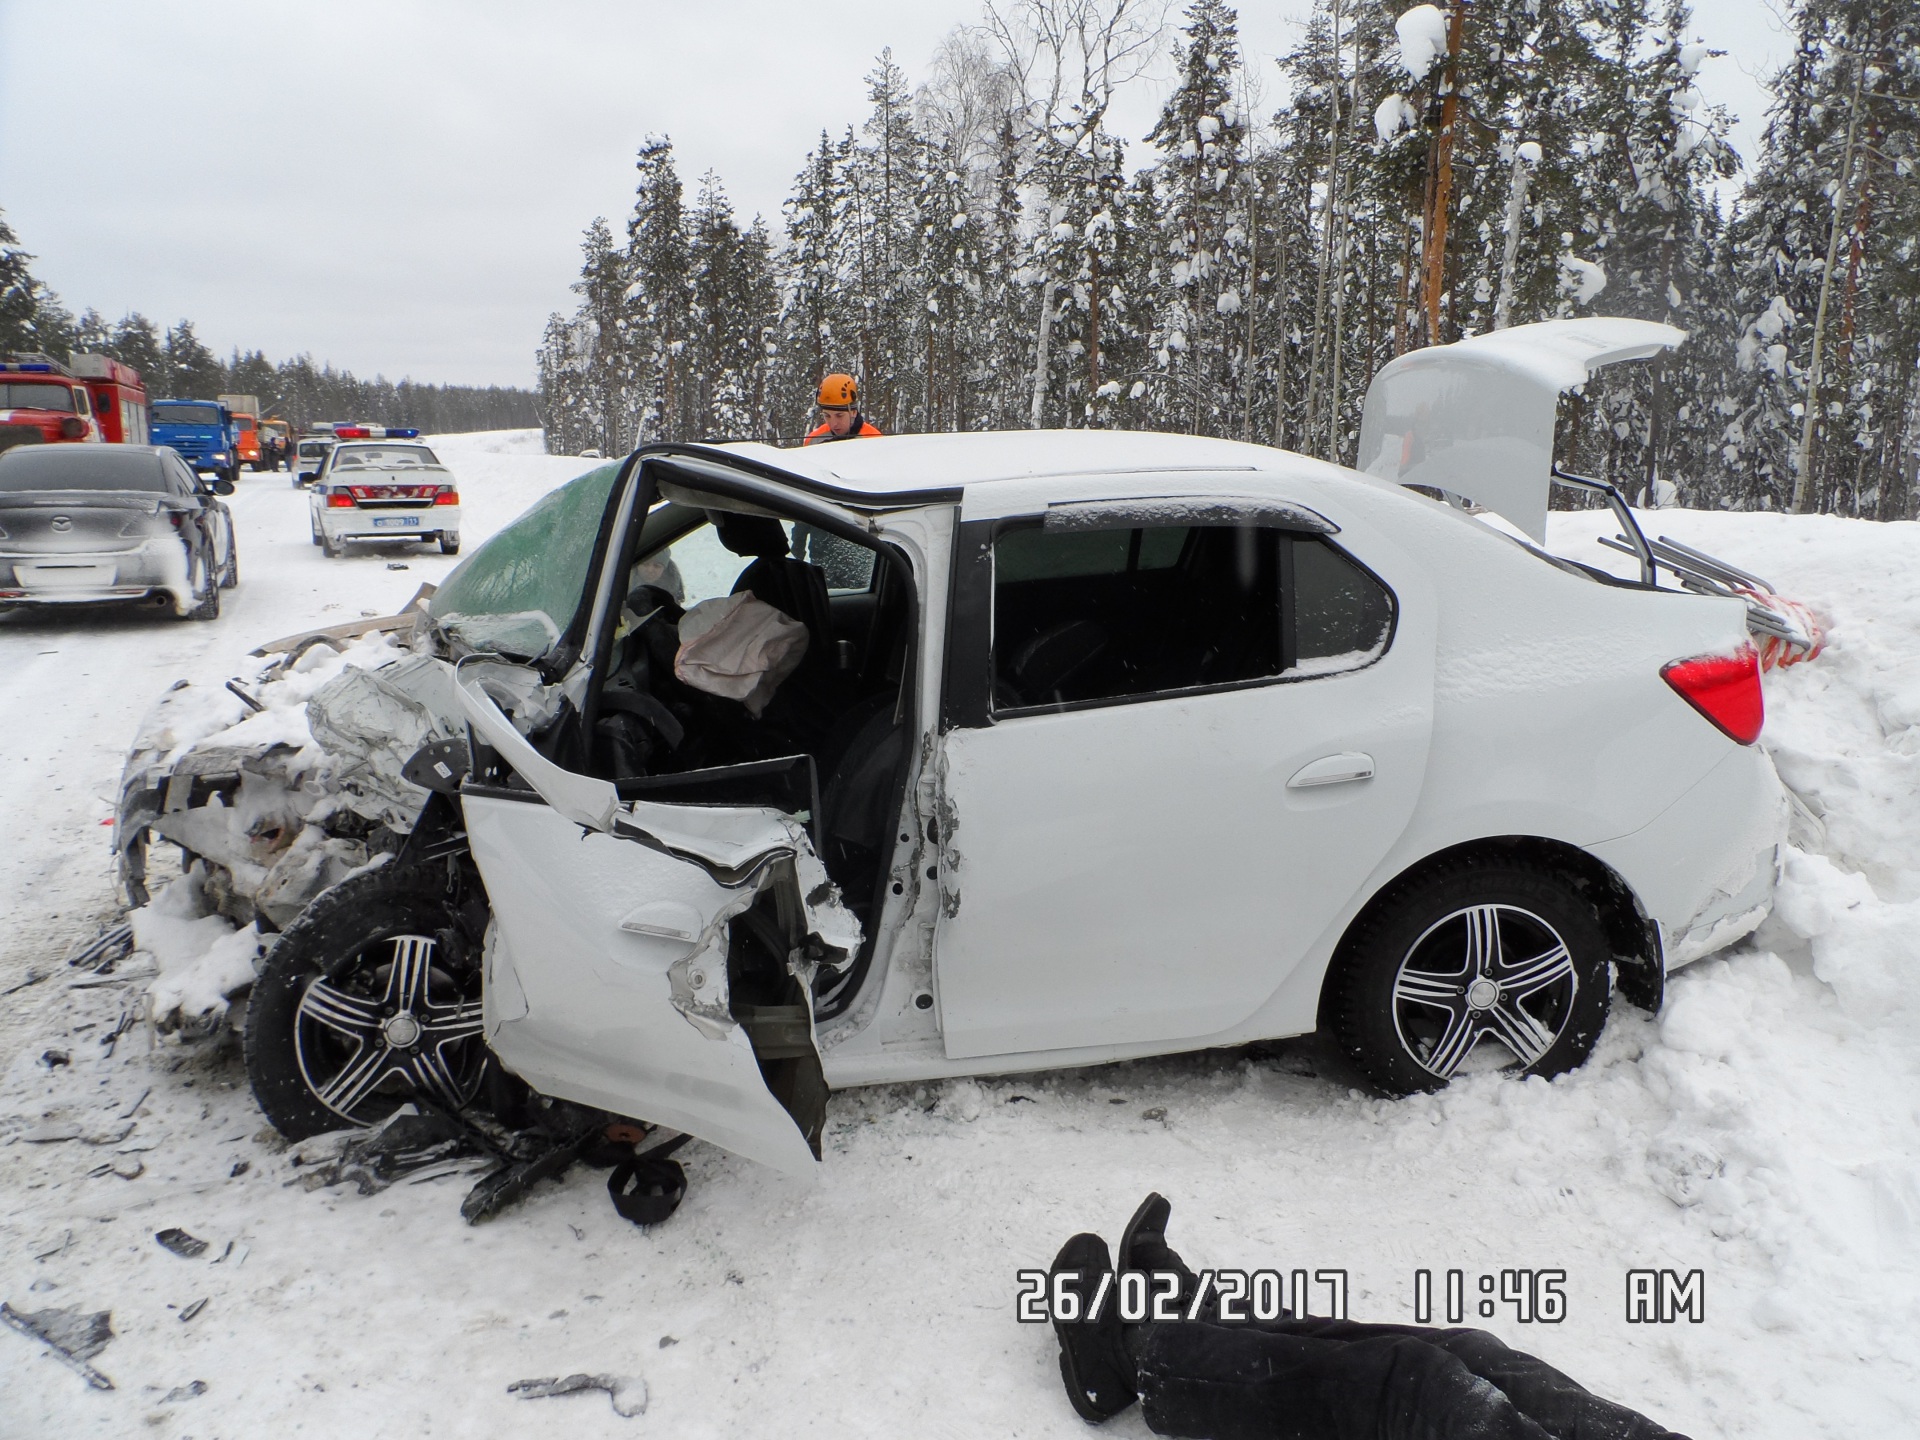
[{"x": 518, "y": 592}]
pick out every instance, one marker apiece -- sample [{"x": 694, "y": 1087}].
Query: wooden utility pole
[
  {"x": 1803, "y": 457},
  {"x": 1440, "y": 192}
]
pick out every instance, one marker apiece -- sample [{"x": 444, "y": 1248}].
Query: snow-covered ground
[{"x": 1765, "y": 1130}]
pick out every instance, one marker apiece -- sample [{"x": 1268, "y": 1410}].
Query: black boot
[
  {"x": 1143, "y": 1244},
  {"x": 1094, "y": 1363}
]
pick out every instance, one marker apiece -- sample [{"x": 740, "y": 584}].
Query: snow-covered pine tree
[
  {"x": 655, "y": 298},
  {"x": 1203, "y": 243},
  {"x": 1832, "y": 208}
]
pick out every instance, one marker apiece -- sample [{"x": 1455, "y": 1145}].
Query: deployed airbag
[{"x": 740, "y": 648}]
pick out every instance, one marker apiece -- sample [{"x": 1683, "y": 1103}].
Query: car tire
[
  {"x": 200, "y": 568},
  {"x": 331, "y": 549},
  {"x": 449, "y": 542},
  {"x": 368, "y": 999},
  {"x": 230, "y": 573},
  {"x": 1480, "y": 954}
]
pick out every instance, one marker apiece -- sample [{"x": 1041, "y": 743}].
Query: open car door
[{"x": 607, "y": 971}]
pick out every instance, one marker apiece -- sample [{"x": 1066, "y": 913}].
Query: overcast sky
[{"x": 399, "y": 186}]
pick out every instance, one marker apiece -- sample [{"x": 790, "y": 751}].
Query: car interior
[
  {"x": 831, "y": 742},
  {"x": 1090, "y": 615}
]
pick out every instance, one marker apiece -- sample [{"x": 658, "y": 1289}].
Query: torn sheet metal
[{"x": 370, "y": 721}]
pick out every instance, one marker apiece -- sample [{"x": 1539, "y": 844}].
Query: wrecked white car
[{"x": 758, "y": 773}]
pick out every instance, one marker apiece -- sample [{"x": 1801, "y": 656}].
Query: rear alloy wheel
[
  {"x": 369, "y": 999},
  {"x": 205, "y": 582},
  {"x": 1480, "y": 965}
]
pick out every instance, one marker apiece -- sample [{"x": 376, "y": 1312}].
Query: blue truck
[{"x": 202, "y": 431}]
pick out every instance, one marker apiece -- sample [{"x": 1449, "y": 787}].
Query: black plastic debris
[
  {"x": 180, "y": 1243},
  {"x": 73, "y": 1336},
  {"x": 391, "y": 1151},
  {"x": 627, "y": 1392},
  {"x": 240, "y": 1167},
  {"x": 508, "y": 1183},
  {"x": 192, "y": 1390},
  {"x": 194, "y": 1309},
  {"x": 105, "y": 950},
  {"x": 649, "y": 1187},
  {"x": 51, "y": 1058}
]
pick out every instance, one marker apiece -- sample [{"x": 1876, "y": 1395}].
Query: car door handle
[{"x": 1332, "y": 770}]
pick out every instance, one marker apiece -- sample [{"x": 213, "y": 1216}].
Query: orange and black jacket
[{"x": 860, "y": 431}]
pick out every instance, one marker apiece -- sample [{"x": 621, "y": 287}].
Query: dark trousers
[{"x": 1318, "y": 1379}]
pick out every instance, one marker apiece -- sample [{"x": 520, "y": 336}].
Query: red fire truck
[
  {"x": 119, "y": 398},
  {"x": 42, "y": 402}
]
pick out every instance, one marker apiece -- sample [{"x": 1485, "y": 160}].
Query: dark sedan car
[{"x": 83, "y": 524}]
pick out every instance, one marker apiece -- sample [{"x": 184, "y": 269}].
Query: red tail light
[
  {"x": 1725, "y": 689},
  {"x": 339, "y": 500},
  {"x": 447, "y": 497}
]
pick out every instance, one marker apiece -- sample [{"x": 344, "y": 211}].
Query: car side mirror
[{"x": 223, "y": 487}]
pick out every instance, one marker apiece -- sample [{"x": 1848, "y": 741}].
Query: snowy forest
[
  {"x": 175, "y": 363},
  {"x": 984, "y": 252}
]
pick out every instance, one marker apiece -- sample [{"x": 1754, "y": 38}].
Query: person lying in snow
[{"x": 1305, "y": 1378}]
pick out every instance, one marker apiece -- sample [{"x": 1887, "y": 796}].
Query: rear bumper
[
  {"x": 1704, "y": 869},
  {"x": 424, "y": 522},
  {"x": 157, "y": 568}
]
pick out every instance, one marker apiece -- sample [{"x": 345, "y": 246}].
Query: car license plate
[{"x": 396, "y": 522}]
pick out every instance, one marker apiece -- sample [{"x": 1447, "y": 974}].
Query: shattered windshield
[{"x": 518, "y": 592}]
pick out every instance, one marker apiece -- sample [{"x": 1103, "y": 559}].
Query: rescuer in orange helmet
[{"x": 839, "y": 402}]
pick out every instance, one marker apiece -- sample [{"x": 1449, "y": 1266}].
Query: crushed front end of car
[{"x": 288, "y": 780}]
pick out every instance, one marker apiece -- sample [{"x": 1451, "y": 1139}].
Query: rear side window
[
  {"x": 518, "y": 592},
  {"x": 1086, "y": 616},
  {"x": 1342, "y": 616}
]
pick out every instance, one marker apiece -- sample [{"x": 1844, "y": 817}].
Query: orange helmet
[{"x": 838, "y": 392}]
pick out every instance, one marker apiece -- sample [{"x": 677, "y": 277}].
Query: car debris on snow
[
  {"x": 186, "y": 1246},
  {"x": 72, "y": 1336},
  {"x": 371, "y": 1160},
  {"x": 627, "y": 1392},
  {"x": 192, "y": 1390},
  {"x": 105, "y": 950}
]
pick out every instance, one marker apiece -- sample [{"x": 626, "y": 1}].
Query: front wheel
[
  {"x": 230, "y": 572},
  {"x": 1482, "y": 964},
  {"x": 370, "y": 998}
]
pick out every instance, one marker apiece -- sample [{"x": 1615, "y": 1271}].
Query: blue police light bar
[
  {"x": 21, "y": 369},
  {"x": 394, "y": 433}
]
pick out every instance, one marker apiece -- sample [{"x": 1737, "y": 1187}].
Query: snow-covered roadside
[{"x": 1762, "y": 1131}]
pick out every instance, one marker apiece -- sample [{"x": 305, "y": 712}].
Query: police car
[{"x": 380, "y": 483}]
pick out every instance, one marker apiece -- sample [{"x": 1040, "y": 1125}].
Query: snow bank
[{"x": 488, "y": 442}]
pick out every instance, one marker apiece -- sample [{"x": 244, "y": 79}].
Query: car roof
[{"x": 920, "y": 469}]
